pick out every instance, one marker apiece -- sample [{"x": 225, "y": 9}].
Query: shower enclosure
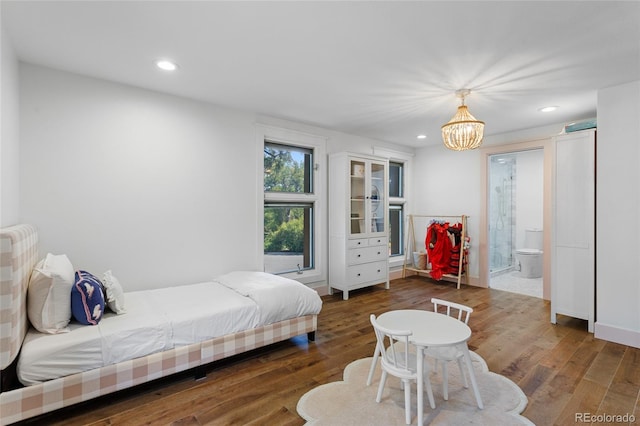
[{"x": 501, "y": 212}]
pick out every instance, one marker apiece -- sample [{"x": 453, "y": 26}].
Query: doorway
[
  {"x": 515, "y": 198},
  {"x": 517, "y": 187}
]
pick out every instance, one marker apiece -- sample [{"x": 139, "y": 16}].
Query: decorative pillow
[
  {"x": 114, "y": 293},
  {"x": 48, "y": 302},
  {"x": 87, "y": 300}
]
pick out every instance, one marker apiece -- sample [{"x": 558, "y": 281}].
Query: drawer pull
[
  {"x": 358, "y": 255},
  {"x": 378, "y": 252},
  {"x": 358, "y": 274},
  {"x": 378, "y": 270}
]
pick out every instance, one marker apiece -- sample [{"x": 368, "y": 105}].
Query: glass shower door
[{"x": 501, "y": 207}]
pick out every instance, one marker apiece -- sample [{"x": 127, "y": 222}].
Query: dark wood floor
[{"x": 561, "y": 368}]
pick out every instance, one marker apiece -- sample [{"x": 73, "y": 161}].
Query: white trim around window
[
  {"x": 407, "y": 160},
  {"x": 318, "y": 197}
]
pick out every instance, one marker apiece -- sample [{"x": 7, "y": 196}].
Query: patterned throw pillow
[{"x": 87, "y": 299}]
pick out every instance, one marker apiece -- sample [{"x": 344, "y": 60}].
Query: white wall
[
  {"x": 618, "y": 215},
  {"x": 160, "y": 189},
  {"x": 530, "y": 192},
  {"x": 447, "y": 182},
  {"x": 10, "y": 134}
]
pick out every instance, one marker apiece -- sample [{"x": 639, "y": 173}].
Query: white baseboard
[
  {"x": 394, "y": 275},
  {"x": 617, "y": 335}
]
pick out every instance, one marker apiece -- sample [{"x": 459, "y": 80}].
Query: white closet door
[{"x": 573, "y": 262}]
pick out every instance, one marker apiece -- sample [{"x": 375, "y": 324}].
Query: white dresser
[{"x": 358, "y": 222}]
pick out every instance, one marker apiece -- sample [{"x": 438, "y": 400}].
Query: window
[
  {"x": 396, "y": 209},
  {"x": 396, "y": 229},
  {"x": 288, "y": 222},
  {"x": 288, "y": 231},
  {"x": 292, "y": 243},
  {"x": 287, "y": 169},
  {"x": 396, "y": 178}
]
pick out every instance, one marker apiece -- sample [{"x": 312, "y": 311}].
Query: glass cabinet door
[
  {"x": 378, "y": 213},
  {"x": 357, "y": 197}
]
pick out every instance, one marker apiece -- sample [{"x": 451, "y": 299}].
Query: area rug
[{"x": 352, "y": 402}]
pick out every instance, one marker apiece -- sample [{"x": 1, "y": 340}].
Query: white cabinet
[
  {"x": 573, "y": 237},
  {"x": 358, "y": 223}
]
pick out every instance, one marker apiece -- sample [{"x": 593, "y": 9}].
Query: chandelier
[{"x": 463, "y": 131}]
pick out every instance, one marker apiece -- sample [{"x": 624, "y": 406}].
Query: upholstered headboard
[{"x": 18, "y": 256}]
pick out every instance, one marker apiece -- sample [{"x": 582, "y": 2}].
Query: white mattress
[
  {"x": 141, "y": 331},
  {"x": 160, "y": 319},
  {"x": 278, "y": 298},
  {"x": 203, "y": 311}
]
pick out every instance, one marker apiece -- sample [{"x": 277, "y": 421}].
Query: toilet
[{"x": 530, "y": 256}]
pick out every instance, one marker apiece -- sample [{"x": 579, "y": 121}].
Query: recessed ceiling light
[
  {"x": 166, "y": 65},
  {"x": 422, "y": 136},
  {"x": 548, "y": 109}
]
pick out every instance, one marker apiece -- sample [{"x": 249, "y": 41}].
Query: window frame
[
  {"x": 405, "y": 159},
  {"x": 317, "y": 196},
  {"x": 400, "y": 202}
]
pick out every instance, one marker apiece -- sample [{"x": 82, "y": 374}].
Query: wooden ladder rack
[{"x": 411, "y": 247}]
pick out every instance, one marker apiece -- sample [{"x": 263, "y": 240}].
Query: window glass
[
  {"x": 396, "y": 231},
  {"x": 396, "y": 179},
  {"x": 288, "y": 231},
  {"x": 287, "y": 168}
]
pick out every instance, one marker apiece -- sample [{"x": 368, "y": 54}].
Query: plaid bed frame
[
  {"x": 18, "y": 256},
  {"x": 23, "y": 403}
]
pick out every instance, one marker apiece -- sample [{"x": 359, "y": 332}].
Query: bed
[{"x": 164, "y": 331}]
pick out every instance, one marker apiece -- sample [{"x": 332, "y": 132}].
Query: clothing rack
[{"x": 412, "y": 247}]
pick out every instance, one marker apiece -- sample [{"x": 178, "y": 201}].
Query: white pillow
[
  {"x": 49, "y": 294},
  {"x": 114, "y": 293}
]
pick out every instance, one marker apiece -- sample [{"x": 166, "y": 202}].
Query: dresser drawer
[
  {"x": 361, "y": 242},
  {"x": 366, "y": 254},
  {"x": 376, "y": 271},
  {"x": 378, "y": 241}
]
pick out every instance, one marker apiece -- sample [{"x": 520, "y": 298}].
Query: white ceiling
[{"x": 381, "y": 69}]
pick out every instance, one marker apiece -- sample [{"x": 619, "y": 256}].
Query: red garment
[
  {"x": 454, "y": 258},
  {"x": 438, "y": 247}
]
